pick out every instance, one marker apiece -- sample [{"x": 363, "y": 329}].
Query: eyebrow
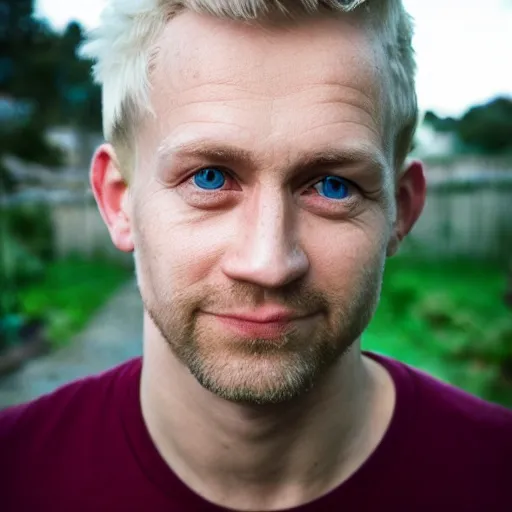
[
  {"x": 331, "y": 157},
  {"x": 221, "y": 153},
  {"x": 205, "y": 150}
]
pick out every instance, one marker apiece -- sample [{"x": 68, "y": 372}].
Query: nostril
[{"x": 268, "y": 269}]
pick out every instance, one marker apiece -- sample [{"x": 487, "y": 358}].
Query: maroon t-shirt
[{"x": 85, "y": 447}]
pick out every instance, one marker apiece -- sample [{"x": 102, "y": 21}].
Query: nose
[{"x": 266, "y": 251}]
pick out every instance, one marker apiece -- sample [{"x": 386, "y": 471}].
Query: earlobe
[
  {"x": 410, "y": 200},
  {"x": 393, "y": 245},
  {"x": 112, "y": 196}
]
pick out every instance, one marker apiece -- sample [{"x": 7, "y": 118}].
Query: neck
[{"x": 264, "y": 457}]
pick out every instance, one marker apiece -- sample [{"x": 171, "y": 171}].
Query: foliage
[
  {"x": 28, "y": 143},
  {"x": 69, "y": 292},
  {"x": 36, "y": 288},
  {"x": 440, "y": 124},
  {"x": 25, "y": 245},
  {"x": 47, "y": 69},
  {"x": 484, "y": 128},
  {"x": 449, "y": 318},
  {"x": 7, "y": 183},
  {"x": 30, "y": 226},
  {"x": 40, "y": 68},
  {"x": 19, "y": 265},
  {"x": 488, "y": 127}
]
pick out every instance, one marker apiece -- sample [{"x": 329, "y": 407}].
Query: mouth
[{"x": 263, "y": 323}]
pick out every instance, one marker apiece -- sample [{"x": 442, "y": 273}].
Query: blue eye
[
  {"x": 210, "y": 178},
  {"x": 332, "y": 187}
]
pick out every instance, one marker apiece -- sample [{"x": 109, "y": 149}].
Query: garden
[
  {"x": 447, "y": 316},
  {"x": 450, "y": 317},
  {"x": 44, "y": 299}
]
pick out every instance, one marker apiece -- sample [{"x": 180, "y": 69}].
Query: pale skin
[{"x": 262, "y": 103}]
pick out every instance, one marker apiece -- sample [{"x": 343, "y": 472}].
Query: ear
[
  {"x": 411, "y": 191},
  {"x": 112, "y": 196}
]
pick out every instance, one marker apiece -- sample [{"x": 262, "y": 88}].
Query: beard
[{"x": 261, "y": 371}]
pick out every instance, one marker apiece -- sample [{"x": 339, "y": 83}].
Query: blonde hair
[{"x": 123, "y": 49}]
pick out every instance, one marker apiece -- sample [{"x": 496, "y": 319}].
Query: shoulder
[
  {"x": 442, "y": 419},
  {"x": 456, "y": 433},
  {"x": 447, "y": 444},
  {"x": 58, "y": 444},
  {"x": 50, "y": 415},
  {"x": 429, "y": 395},
  {"x": 462, "y": 430},
  {"x": 456, "y": 405}
]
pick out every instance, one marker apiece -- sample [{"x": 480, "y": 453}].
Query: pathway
[{"x": 113, "y": 336}]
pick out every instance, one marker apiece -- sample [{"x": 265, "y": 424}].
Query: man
[{"x": 256, "y": 166}]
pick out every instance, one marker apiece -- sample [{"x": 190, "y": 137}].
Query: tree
[
  {"x": 440, "y": 124},
  {"x": 488, "y": 127},
  {"x": 16, "y": 19},
  {"x": 484, "y": 128},
  {"x": 40, "y": 67}
]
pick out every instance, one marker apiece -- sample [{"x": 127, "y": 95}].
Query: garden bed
[
  {"x": 45, "y": 314},
  {"x": 451, "y": 319},
  {"x": 14, "y": 357}
]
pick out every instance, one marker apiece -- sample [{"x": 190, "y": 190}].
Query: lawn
[
  {"x": 69, "y": 293},
  {"x": 450, "y": 319},
  {"x": 38, "y": 287}
]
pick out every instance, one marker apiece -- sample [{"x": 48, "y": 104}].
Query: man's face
[{"x": 262, "y": 201}]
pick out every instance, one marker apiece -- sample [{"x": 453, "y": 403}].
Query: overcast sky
[{"x": 464, "y": 47}]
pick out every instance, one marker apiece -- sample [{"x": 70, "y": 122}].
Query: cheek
[
  {"x": 345, "y": 256},
  {"x": 176, "y": 249}
]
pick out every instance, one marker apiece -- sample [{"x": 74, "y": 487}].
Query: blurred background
[{"x": 68, "y": 302}]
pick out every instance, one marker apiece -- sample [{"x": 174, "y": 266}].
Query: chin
[
  {"x": 255, "y": 383},
  {"x": 263, "y": 372}
]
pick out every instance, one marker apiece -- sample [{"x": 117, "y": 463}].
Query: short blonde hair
[{"x": 123, "y": 47}]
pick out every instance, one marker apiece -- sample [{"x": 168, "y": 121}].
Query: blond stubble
[{"x": 261, "y": 371}]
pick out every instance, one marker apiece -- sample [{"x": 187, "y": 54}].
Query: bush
[
  {"x": 71, "y": 291},
  {"x": 450, "y": 319},
  {"x": 28, "y": 143},
  {"x": 30, "y": 226},
  {"x": 61, "y": 294},
  {"x": 19, "y": 265}
]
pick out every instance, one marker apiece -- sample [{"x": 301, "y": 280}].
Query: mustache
[{"x": 297, "y": 296}]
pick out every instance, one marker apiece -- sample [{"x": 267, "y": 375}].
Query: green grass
[
  {"x": 448, "y": 318},
  {"x": 69, "y": 293}
]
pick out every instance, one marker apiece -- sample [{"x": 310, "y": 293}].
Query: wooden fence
[
  {"x": 466, "y": 218},
  {"x": 461, "y": 218}
]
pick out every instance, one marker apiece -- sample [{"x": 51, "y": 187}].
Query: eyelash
[{"x": 228, "y": 174}]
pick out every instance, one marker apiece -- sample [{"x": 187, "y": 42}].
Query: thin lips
[{"x": 263, "y": 317}]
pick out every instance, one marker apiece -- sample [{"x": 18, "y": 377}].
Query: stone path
[{"x": 113, "y": 336}]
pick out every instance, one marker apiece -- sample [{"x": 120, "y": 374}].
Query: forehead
[{"x": 318, "y": 77}]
